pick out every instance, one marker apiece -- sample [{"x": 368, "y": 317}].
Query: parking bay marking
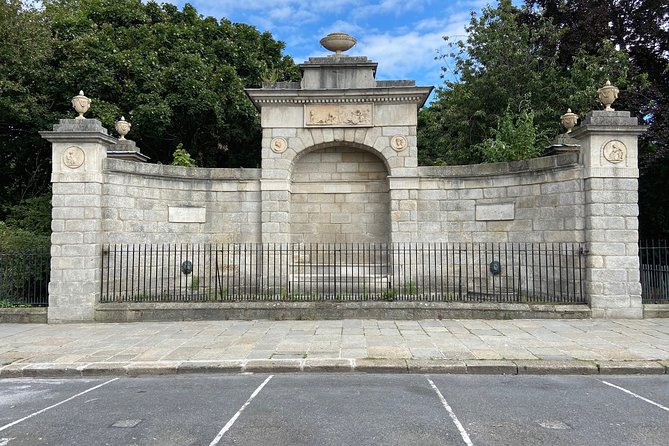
[
  {"x": 229, "y": 424},
  {"x": 461, "y": 429},
  {"x": 7, "y": 426},
  {"x": 636, "y": 396}
]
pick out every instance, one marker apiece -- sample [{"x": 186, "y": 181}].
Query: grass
[{"x": 9, "y": 303}]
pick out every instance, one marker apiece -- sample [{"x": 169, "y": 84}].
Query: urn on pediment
[
  {"x": 122, "y": 127},
  {"x": 81, "y": 104},
  {"x": 338, "y": 42},
  {"x": 607, "y": 95}
]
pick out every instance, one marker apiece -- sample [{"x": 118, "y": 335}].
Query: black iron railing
[
  {"x": 24, "y": 278},
  {"x": 485, "y": 272},
  {"x": 654, "y": 260}
]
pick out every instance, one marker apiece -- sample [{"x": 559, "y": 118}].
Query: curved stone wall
[
  {"x": 152, "y": 203},
  {"x": 339, "y": 193},
  {"x": 538, "y": 200}
]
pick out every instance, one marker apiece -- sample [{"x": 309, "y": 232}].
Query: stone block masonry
[
  {"x": 339, "y": 165},
  {"x": 79, "y": 147},
  {"x": 339, "y": 195},
  {"x": 145, "y": 203},
  {"x": 539, "y": 201},
  {"x": 610, "y": 177}
]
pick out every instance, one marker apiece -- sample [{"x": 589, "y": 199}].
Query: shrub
[
  {"x": 515, "y": 138},
  {"x": 24, "y": 265},
  {"x": 182, "y": 157}
]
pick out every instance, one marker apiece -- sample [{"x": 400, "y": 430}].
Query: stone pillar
[
  {"x": 275, "y": 217},
  {"x": 275, "y": 189},
  {"x": 403, "y": 209},
  {"x": 610, "y": 161},
  {"x": 79, "y": 147}
]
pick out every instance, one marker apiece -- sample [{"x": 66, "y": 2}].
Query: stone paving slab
[{"x": 364, "y": 346}]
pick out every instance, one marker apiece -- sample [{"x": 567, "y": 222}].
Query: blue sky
[{"x": 403, "y": 36}]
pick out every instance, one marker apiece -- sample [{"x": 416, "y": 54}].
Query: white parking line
[
  {"x": 461, "y": 429},
  {"x": 636, "y": 396},
  {"x": 6, "y": 426},
  {"x": 229, "y": 424}
]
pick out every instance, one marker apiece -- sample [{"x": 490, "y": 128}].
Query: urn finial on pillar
[
  {"x": 81, "y": 104},
  {"x": 607, "y": 95},
  {"x": 569, "y": 120},
  {"x": 122, "y": 127},
  {"x": 338, "y": 42}
]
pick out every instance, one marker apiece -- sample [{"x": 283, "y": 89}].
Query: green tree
[
  {"x": 25, "y": 104},
  {"x": 508, "y": 60},
  {"x": 178, "y": 76},
  {"x": 23, "y": 264},
  {"x": 641, "y": 27},
  {"x": 32, "y": 214}
]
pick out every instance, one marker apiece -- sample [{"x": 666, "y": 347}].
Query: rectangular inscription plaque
[
  {"x": 183, "y": 214},
  {"x": 492, "y": 212},
  {"x": 339, "y": 115}
]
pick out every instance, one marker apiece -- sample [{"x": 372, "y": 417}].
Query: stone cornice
[
  {"x": 261, "y": 96},
  {"x": 78, "y": 137},
  {"x": 114, "y": 166},
  {"x": 562, "y": 161},
  {"x": 129, "y": 155},
  {"x": 582, "y": 131}
]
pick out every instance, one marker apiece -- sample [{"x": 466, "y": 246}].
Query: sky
[{"x": 403, "y": 36}]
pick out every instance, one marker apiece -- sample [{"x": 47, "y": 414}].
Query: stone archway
[{"x": 339, "y": 194}]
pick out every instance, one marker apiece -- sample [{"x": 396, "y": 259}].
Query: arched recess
[{"x": 339, "y": 194}]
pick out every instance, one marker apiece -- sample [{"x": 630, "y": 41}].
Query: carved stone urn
[
  {"x": 569, "y": 120},
  {"x": 122, "y": 127},
  {"x": 607, "y": 95},
  {"x": 81, "y": 104},
  {"x": 338, "y": 42}
]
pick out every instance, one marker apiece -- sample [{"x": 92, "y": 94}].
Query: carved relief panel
[
  {"x": 614, "y": 151},
  {"x": 73, "y": 157},
  {"x": 339, "y": 115}
]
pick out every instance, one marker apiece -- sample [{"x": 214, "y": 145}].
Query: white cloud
[
  {"x": 403, "y": 36},
  {"x": 343, "y": 26},
  {"x": 276, "y": 9},
  {"x": 281, "y": 13},
  {"x": 401, "y": 55},
  {"x": 394, "y": 7}
]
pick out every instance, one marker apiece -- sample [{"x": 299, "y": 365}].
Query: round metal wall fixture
[
  {"x": 186, "y": 267},
  {"x": 495, "y": 268}
]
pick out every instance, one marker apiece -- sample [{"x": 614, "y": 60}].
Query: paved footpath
[{"x": 427, "y": 346}]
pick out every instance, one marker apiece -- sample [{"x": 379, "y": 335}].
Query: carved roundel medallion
[
  {"x": 615, "y": 151},
  {"x": 398, "y": 143},
  {"x": 73, "y": 157},
  {"x": 279, "y": 145}
]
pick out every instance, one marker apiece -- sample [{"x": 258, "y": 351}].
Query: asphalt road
[{"x": 336, "y": 409}]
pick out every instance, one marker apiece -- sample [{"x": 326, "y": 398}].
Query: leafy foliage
[
  {"x": 176, "y": 75},
  {"x": 553, "y": 55},
  {"x": 16, "y": 240},
  {"x": 24, "y": 265},
  {"x": 32, "y": 214},
  {"x": 25, "y": 105},
  {"x": 182, "y": 157},
  {"x": 641, "y": 28},
  {"x": 511, "y": 61},
  {"x": 515, "y": 138}
]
